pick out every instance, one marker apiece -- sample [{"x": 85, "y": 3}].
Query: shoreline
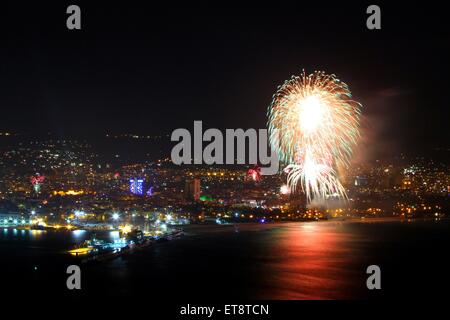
[{"x": 191, "y": 229}]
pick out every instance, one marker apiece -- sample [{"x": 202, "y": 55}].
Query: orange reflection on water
[{"x": 312, "y": 261}]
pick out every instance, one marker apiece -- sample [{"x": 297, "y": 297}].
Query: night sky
[{"x": 149, "y": 70}]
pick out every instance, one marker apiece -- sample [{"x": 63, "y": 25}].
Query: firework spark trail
[{"x": 313, "y": 124}]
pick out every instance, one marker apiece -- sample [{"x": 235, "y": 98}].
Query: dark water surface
[{"x": 318, "y": 260}]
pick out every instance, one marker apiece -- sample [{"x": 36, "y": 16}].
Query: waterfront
[{"x": 310, "y": 260}]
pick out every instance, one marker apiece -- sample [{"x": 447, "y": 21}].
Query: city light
[
  {"x": 125, "y": 228},
  {"x": 68, "y": 193},
  {"x": 79, "y": 213},
  {"x": 284, "y": 189}
]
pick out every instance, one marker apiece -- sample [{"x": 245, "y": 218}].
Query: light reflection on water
[
  {"x": 289, "y": 261},
  {"x": 323, "y": 260},
  {"x": 313, "y": 261},
  {"x": 78, "y": 233},
  {"x": 67, "y": 238}
]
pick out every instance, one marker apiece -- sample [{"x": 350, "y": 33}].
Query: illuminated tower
[{"x": 192, "y": 189}]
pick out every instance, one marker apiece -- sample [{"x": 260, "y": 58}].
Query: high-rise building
[
  {"x": 192, "y": 189},
  {"x": 132, "y": 186},
  {"x": 137, "y": 186}
]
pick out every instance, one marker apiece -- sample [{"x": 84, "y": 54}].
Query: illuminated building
[
  {"x": 192, "y": 189},
  {"x": 137, "y": 186},
  {"x": 140, "y": 186},
  {"x": 360, "y": 181}
]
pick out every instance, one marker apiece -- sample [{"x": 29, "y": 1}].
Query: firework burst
[{"x": 313, "y": 124}]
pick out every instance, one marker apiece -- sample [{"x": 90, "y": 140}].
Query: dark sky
[{"x": 147, "y": 69}]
